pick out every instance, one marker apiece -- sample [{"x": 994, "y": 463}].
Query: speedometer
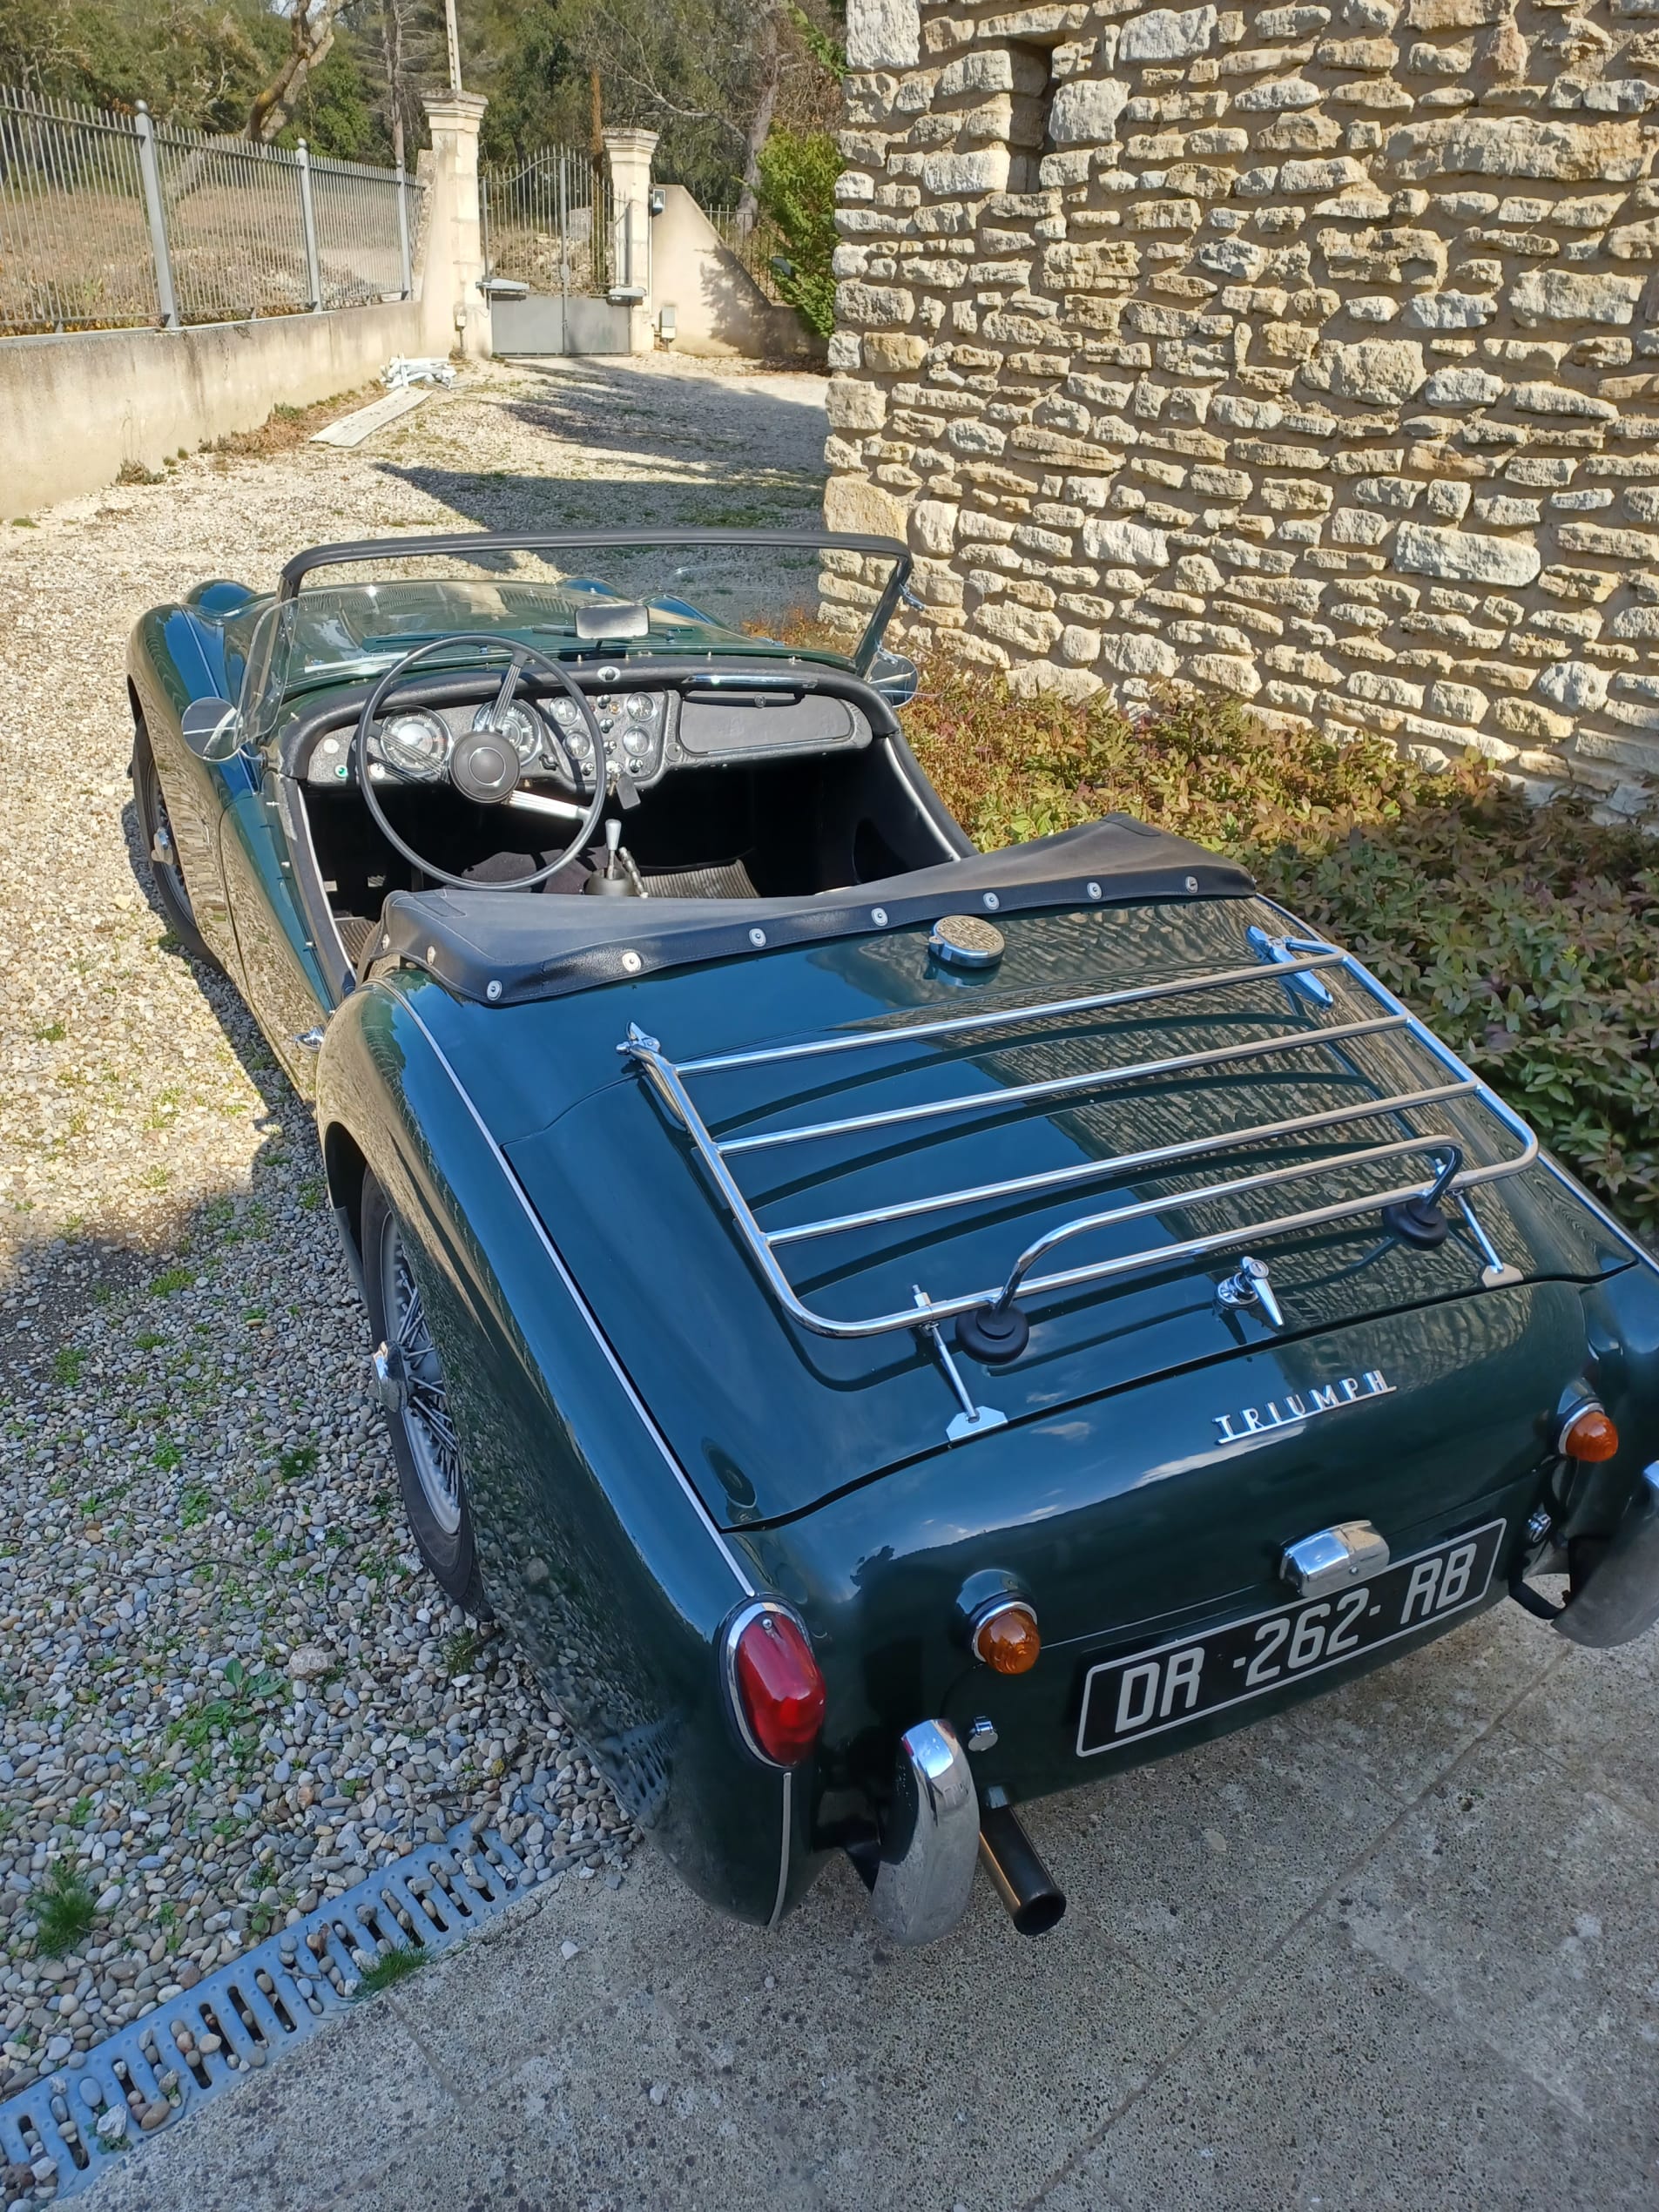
[
  {"x": 520, "y": 723},
  {"x": 415, "y": 744}
]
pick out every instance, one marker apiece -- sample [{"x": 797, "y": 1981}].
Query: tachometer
[
  {"x": 415, "y": 744},
  {"x": 520, "y": 723}
]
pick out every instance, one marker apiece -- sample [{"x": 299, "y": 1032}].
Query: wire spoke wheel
[{"x": 430, "y": 1431}]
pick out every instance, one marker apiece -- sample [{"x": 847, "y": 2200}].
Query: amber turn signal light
[
  {"x": 1006, "y": 1639},
  {"x": 1589, "y": 1435}
]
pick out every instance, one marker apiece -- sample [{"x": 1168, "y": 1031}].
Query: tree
[{"x": 311, "y": 33}]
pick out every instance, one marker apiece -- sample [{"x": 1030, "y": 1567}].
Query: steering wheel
[{"x": 483, "y": 763}]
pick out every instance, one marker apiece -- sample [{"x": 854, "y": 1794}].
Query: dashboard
[{"x": 708, "y": 724}]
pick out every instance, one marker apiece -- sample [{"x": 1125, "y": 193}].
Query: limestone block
[
  {"x": 1351, "y": 526},
  {"x": 883, "y": 34},
  {"x": 1226, "y": 672},
  {"x": 989, "y": 70},
  {"x": 1428, "y": 551},
  {"x": 1139, "y": 654},
  {"x": 1462, "y": 386},
  {"x": 852, "y": 504},
  {"x": 1525, "y": 718},
  {"x": 1502, "y": 512},
  {"x": 873, "y": 304},
  {"x": 845, "y": 350},
  {"x": 1450, "y": 310},
  {"x": 1456, "y": 702},
  {"x": 1396, "y": 492},
  {"x": 852, "y": 405},
  {"x": 1166, "y": 34},
  {"x": 1032, "y": 630},
  {"x": 1384, "y": 691},
  {"x": 1084, "y": 267},
  {"x": 1449, "y": 501},
  {"x": 1516, "y": 145},
  {"x": 1575, "y": 684},
  {"x": 933, "y": 525},
  {"x": 966, "y": 175},
  {"x": 1079, "y": 646},
  {"x": 1380, "y": 370},
  {"x": 1085, "y": 112},
  {"x": 1634, "y": 241},
  {"x": 885, "y": 351},
  {"x": 1277, "y": 95},
  {"x": 1556, "y": 295},
  {"x": 1612, "y": 545},
  {"x": 1131, "y": 543},
  {"x": 1362, "y": 54}
]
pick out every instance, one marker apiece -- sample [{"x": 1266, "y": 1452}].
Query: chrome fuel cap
[{"x": 966, "y": 941}]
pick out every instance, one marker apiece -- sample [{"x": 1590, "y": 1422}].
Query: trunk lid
[{"x": 768, "y": 1417}]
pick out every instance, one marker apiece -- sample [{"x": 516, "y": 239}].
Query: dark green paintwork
[{"x": 1109, "y": 1497}]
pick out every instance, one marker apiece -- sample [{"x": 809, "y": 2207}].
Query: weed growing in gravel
[
  {"x": 297, "y": 1463},
  {"x": 460, "y": 1651},
  {"x": 147, "y": 1340},
  {"x": 195, "y": 1506},
  {"x": 67, "y": 1364},
  {"x": 173, "y": 1279},
  {"x": 65, "y": 1913},
  {"x": 166, "y": 1457},
  {"x": 387, "y": 1973},
  {"x": 54, "y": 1033}
]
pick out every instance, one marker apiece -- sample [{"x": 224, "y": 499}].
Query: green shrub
[
  {"x": 65, "y": 1912},
  {"x": 1526, "y": 937},
  {"x": 797, "y": 189}
]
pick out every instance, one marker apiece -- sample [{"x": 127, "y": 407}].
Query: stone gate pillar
[
  {"x": 454, "y": 312},
  {"x": 629, "y": 153}
]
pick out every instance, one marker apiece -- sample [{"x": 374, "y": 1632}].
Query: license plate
[{"x": 1125, "y": 1701}]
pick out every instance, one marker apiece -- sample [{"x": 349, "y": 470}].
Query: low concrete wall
[
  {"x": 719, "y": 310},
  {"x": 73, "y": 408}
]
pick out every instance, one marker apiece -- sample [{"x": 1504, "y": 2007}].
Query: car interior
[{"x": 714, "y": 787}]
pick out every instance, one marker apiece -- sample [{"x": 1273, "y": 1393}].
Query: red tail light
[
  {"x": 778, "y": 1690},
  {"x": 1589, "y": 1435}
]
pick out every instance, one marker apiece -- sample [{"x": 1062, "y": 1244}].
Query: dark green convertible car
[{"x": 896, "y": 1331}]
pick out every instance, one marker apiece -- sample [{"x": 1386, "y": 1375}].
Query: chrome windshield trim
[{"x": 589, "y": 1319}]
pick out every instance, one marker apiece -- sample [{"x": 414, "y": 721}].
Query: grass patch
[
  {"x": 65, "y": 1913},
  {"x": 387, "y": 1973},
  {"x": 302, "y": 1460},
  {"x": 195, "y": 1505},
  {"x": 1526, "y": 937},
  {"x": 67, "y": 1363},
  {"x": 172, "y": 1279}
]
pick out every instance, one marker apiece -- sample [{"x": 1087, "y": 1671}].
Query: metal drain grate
[{"x": 276, "y": 1994}]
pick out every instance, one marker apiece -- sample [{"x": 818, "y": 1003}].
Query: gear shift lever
[{"x": 617, "y": 878}]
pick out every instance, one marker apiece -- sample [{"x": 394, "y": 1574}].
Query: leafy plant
[
  {"x": 172, "y": 1279},
  {"x": 67, "y": 1364},
  {"x": 64, "y": 1913},
  {"x": 797, "y": 189},
  {"x": 1527, "y": 937}
]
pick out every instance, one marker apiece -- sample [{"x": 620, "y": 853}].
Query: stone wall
[{"x": 1307, "y": 353}]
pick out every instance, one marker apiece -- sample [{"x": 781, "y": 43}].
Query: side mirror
[
  {"x": 894, "y": 677},
  {"x": 208, "y": 727}
]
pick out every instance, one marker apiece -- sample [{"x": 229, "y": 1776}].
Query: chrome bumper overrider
[
  {"x": 1620, "y": 1597},
  {"x": 930, "y": 1841}
]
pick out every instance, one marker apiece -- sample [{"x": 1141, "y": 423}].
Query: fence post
[
  {"x": 403, "y": 233},
  {"x": 308, "y": 218},
  {"x": 150, "y": 176}
]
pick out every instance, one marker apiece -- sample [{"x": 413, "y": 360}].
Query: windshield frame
[{"x": 470, "y": 544}]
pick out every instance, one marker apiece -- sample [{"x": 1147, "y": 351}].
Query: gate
[{"x": 550, "y": 239}]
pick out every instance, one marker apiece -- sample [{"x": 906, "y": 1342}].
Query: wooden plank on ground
[{"x": 363, "y": 422}]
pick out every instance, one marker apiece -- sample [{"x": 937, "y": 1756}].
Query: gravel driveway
[{"x": 226, "y": 1688}]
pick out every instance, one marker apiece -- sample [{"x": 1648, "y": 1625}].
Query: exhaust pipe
[{"x": 1034, "y": 1900}]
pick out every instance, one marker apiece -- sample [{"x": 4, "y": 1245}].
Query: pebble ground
[{"x": 227, "y": 1689}]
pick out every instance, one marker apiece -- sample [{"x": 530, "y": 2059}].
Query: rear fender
[{"x": 593, "y": 1547}]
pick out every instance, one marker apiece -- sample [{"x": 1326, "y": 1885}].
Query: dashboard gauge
[
  {"x": 415, "y": 744},
  {"x": 638, "y": 704},
  {"x": 520, "y": 723},
  {"x": 637, "y": 739},
  {"x": 567, "y": 714}
]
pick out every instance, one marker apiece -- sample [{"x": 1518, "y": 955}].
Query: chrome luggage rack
[{"x": 990, "y": 1324}]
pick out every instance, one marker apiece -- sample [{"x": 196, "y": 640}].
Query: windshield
[{"x": 770, "y": 598}]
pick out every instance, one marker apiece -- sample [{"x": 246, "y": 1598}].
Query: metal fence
[
  {"x": 108, "y": 221},
  {"x": 755, "y": 245},
  {"x": 539, "y": 225}
]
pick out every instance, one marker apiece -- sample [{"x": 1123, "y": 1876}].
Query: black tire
[
  {"x": 429, "y": 1462},
  {"x": 155, "y": 835}
]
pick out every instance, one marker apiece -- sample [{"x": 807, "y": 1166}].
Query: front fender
[{"x": 593, "y": 1545}]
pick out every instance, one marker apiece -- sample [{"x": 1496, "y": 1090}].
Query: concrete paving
[{"x": 1399, "y": 1948}]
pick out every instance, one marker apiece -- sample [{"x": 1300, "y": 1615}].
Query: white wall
[{"x": 719, "y": 310}]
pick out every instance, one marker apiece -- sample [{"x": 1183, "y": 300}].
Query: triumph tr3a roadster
[{"x": 896, "y": 1331}]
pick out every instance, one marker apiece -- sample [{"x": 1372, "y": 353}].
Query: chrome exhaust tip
[{"x": 1034, "y": 1900}]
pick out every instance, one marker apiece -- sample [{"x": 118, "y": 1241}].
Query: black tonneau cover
[{"x": 499, "y": 947}]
